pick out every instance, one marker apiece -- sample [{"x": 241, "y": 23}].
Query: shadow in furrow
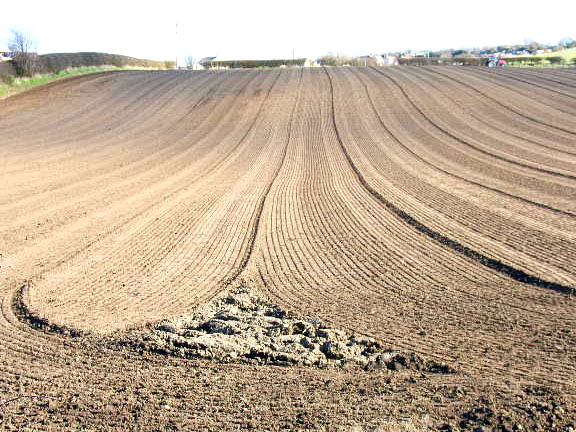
[
  {"x": 490, "y": 124},
  {"x": 466, "y": 143},
  {"x": 515, "y": 77},
  {"x": 493, "y": 264},
  {"x": 426, "y": 162},
  {"x": 538, "y": 77},
  {"x": 506, "y": 107}
]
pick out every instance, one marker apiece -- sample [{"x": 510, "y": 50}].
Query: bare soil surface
[{"x": 300, "y": 249}]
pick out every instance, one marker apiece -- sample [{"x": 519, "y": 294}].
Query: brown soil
[{"x": 428, "y": 212}]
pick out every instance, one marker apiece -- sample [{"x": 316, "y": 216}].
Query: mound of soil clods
[{"x": 243, "y": 327}]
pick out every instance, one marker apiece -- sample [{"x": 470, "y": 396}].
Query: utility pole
[{"x": 176, "y": 45}]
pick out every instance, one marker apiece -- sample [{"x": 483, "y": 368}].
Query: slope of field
[{"x": 433, "y": 209}]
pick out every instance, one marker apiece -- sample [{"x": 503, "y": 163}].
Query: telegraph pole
[{"x": 176, "y": 45}]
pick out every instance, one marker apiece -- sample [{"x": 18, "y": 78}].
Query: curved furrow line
[
  {"x": 503, "y": 118},
  {"x": 96, "y": 139},
  {"x": 437, "y": 198},
  {"x": 456, "y": 176},
  {"x": 304, "y": 258},
  {"x": 19, "y": 109},
  {"x": 149, "y": 167},
  {"x": 98, "y": 146},
  {"x": 355, "y": 218},
  {"x": 166, "y": 245},
  {"x": 513, "y": 273},
  {"x": 103, "y": 156},
  {"x": 151, "y": 160},
  {"x": 104, "y": 148},
  {"x": 443, "y": 114},
  {"x": 389, "y": 331},
  {"x": 457, "y": 213},
  {"x": 333, "y": 219},
  {"x": 543, "y": 104},
  {"x": 399, "y": 249},
  {"x": 22, "y": 339},
  {"x": 541, "y": 78},
  {"x": 164, "y": 199},
  {"x": 246, "y": 240},
  {"x": 515, "y": 78},
  {"x": 429, "y": 144},
  {"x": 443, "y": 343},
  {"x": 315, "y": 292},
  {"x": 507, "y": 107},
  {"x": 467, "y": 143},
  {"x": 548, "y": 102},
  {"x": 258, "y": 212},
  {"x": 291, "y": 219},
  {"x": 326, "y": 235},
  {"x": 197, "y": 265},
  {"x": 321, "y": 244},
  {"x": 375, "y": 149},
  {"x": 360, "y": 270},
  {"x": 51, "y": 130},
  {"x": 448, "y": 94},
  {"x": 470, "y": 216}
]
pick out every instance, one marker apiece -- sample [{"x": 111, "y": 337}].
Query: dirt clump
[{"x": 243, "y": 327}]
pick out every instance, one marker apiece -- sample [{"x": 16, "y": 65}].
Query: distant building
[
  {"x": 6, "y": 55},
  {"x": 373, "y": 60},
  {"x": 310, "y": 63},
  {"x": 390, "y": 60}
]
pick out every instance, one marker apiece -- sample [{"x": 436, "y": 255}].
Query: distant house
[
  {"x": 377, "y": 60},
  {"x": 310, "y": 63},
  {"x": 390, "y": 60},
  {"x": 6, "y": 55},
  {"x": 367, "y": 60}
]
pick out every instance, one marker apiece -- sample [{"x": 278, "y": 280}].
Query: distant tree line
[
  {"x": 249, "y": 64},
  {"x": 332, "y": 60},
  {"x": 26, "y": 61},
  {"x": 526, "y": 49},
  {"x": 54, "y": 63}
]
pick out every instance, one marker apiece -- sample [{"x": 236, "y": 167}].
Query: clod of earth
[{"x": 243, "y": 327}]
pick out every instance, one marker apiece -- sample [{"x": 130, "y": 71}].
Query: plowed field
[{"x": 433, "y": 209}]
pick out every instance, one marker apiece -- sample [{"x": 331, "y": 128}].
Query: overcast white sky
[{"x": 253, "y": 29}]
